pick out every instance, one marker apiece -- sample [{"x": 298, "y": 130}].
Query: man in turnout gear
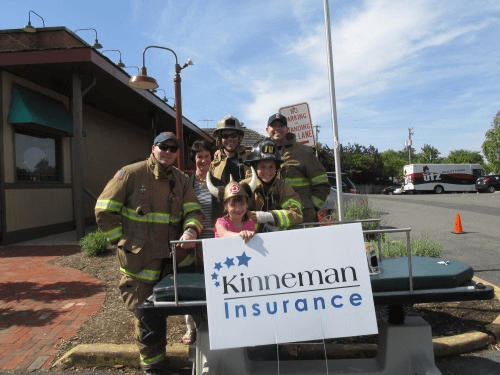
[
  {"x": 274, "y": 204},
  {"x": 301, "y": 169},
  {"x": 144, "y": 207},
  {"x": 228, "y": 161}
]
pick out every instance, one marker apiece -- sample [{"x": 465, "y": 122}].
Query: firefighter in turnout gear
[
  {"x": 144, "y": 207},
  {"x": 301, "y": 169},
  {"x": 274, "y": 204},
  {"x": 228, "y": 161}
]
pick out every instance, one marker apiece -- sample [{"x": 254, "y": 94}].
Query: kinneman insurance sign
[{"x": 288, "y": 286}]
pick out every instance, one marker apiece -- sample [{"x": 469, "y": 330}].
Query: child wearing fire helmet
[{"x": 274, "y": 204}]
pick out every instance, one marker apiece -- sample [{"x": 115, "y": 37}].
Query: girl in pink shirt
[{"x": 236, "y": 221}]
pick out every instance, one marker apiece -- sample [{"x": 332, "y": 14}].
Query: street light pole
[
  {"x": 178, "y": 114},
  {"x": 145, "y": 82}
]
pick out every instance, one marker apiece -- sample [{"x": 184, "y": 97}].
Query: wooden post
[{"x": 77, "y": 157}]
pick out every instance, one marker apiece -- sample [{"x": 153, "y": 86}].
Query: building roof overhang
[{"x": 109, "y": 91}]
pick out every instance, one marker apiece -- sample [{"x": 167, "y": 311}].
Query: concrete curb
[{"x": 109, "y": 355}]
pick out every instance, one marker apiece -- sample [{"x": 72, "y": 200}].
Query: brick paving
[{"x": 41, "y": 304}]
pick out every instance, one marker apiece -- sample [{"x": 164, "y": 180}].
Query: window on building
[{"x": 37, "y": 157}]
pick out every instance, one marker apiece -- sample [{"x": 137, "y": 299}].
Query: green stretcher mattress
[{"x": 428, "y": 274}]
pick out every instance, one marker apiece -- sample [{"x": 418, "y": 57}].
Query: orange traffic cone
[{"x": 458, "y": 225}]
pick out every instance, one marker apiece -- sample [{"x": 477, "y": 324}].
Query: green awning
[{"x": 28, "y": 106}]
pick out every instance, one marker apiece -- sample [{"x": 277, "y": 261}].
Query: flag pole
[{"x": 336, "y": 144}]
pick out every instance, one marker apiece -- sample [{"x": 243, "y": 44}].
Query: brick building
[{"x": 68, "y": 121}]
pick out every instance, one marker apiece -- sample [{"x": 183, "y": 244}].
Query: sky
[{"x": 429, "y": 65}]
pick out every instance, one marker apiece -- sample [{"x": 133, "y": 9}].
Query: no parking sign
[{"x": 299, "y": 123}]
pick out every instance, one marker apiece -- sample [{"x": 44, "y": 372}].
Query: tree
[
  {"x": 464, "y": 157},
  {"x": 429, "y": 154},
  {"x": 393, "y": 163},
  {"x": 362, "y": 164},
  {"x": 491, "y": 146}
]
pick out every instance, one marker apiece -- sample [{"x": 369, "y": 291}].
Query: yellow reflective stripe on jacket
[
  {"x": 187, "y": 261},
  {"x": 190, "y": 206},
  {"x": 148, "y": 275},
  {"x": 114, "y": 234},
  {"x": 297, "y": 182},
  {"x": 152, "y": 361},
  {"x": 193, "y": 223},
  {"x": 283, "y": 219},
  {"x": 292, "y": 202},
  {"x": 108, "y": 205},
  {"x": 320, "y": 179},
  {"x": 150, "y": 217},
  {"x": 317, "y": 202}
]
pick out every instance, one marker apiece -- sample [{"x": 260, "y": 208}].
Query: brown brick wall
[{"x": 40, "y": 40}]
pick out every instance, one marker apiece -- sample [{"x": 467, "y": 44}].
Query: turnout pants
[{"x": 151, "y": 347}]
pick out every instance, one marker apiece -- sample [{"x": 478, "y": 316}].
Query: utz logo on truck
[{"x": 430, "y": 176}]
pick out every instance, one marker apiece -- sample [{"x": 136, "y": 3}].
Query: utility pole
[
  {"x": 317, "y": 132},
  {"x": 408, "y": 143}
]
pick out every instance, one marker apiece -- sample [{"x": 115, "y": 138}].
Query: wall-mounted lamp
[
  {"x": 165, "y": 99},
  {"x": 96, "y": 44},
  {"x": 131, "y": 66},
  {"x": 120, "y": 63},
  {"x": 28, "y": 28}
]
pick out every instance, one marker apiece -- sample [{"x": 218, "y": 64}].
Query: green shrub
[
  {"x": 422, "y": 247},
  {"x": 94, "y": 243},
  {"x": 359, "y": 210}
]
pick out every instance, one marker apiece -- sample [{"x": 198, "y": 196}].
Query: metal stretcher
[{"x": 404, "y": 342}]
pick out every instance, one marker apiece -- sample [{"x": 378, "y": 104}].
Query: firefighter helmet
[
  {"x": 233, "y": 188},
  {"x": 266, "y": 149},
  {"x": 228, "y": 123}
]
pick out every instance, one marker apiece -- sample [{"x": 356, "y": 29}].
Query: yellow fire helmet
[{"x": 233, "y": 188}]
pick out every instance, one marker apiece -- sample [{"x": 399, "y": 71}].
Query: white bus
[{"x": 441, "y": 177}]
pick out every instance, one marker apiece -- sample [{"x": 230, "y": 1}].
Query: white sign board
[
  {"x": 295, "y": 285},
  {"x": 299, "y": 122}
]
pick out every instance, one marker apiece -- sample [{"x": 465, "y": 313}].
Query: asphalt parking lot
[{"x": 434, "y": 215}]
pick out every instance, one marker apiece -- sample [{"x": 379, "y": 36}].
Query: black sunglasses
[
  {"x": 231, "y": 135},
  {"x": 165, "y": 147}
]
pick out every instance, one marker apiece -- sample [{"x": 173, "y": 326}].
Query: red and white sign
[{"x": 299, "y": 123}]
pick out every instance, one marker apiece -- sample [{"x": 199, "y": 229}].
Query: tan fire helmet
[
  {"x": 233, "y": 188},
  {"x": 228, "y": 122}
]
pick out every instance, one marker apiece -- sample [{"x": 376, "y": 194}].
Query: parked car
[
  {"x": 389, "y": 190},
  {"x": 331, "y": 200},
  {"x": 488, "y": 183},
  {"x": 398, "y": 191},
  {"x": 347, "y": 185}
]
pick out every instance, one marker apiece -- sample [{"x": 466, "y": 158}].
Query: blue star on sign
[
  {"x": 217, "y": 284},
  {"x": 218, "y": 266},
  {"x": 243, "y": 259},
  {"x": 229, "y": 262},
  {"x": 214, "y": 276}
]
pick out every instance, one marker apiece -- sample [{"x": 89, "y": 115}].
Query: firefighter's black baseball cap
[
  {"x": 167, "y": 136},
  {"x": 277, "y": 117}
]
